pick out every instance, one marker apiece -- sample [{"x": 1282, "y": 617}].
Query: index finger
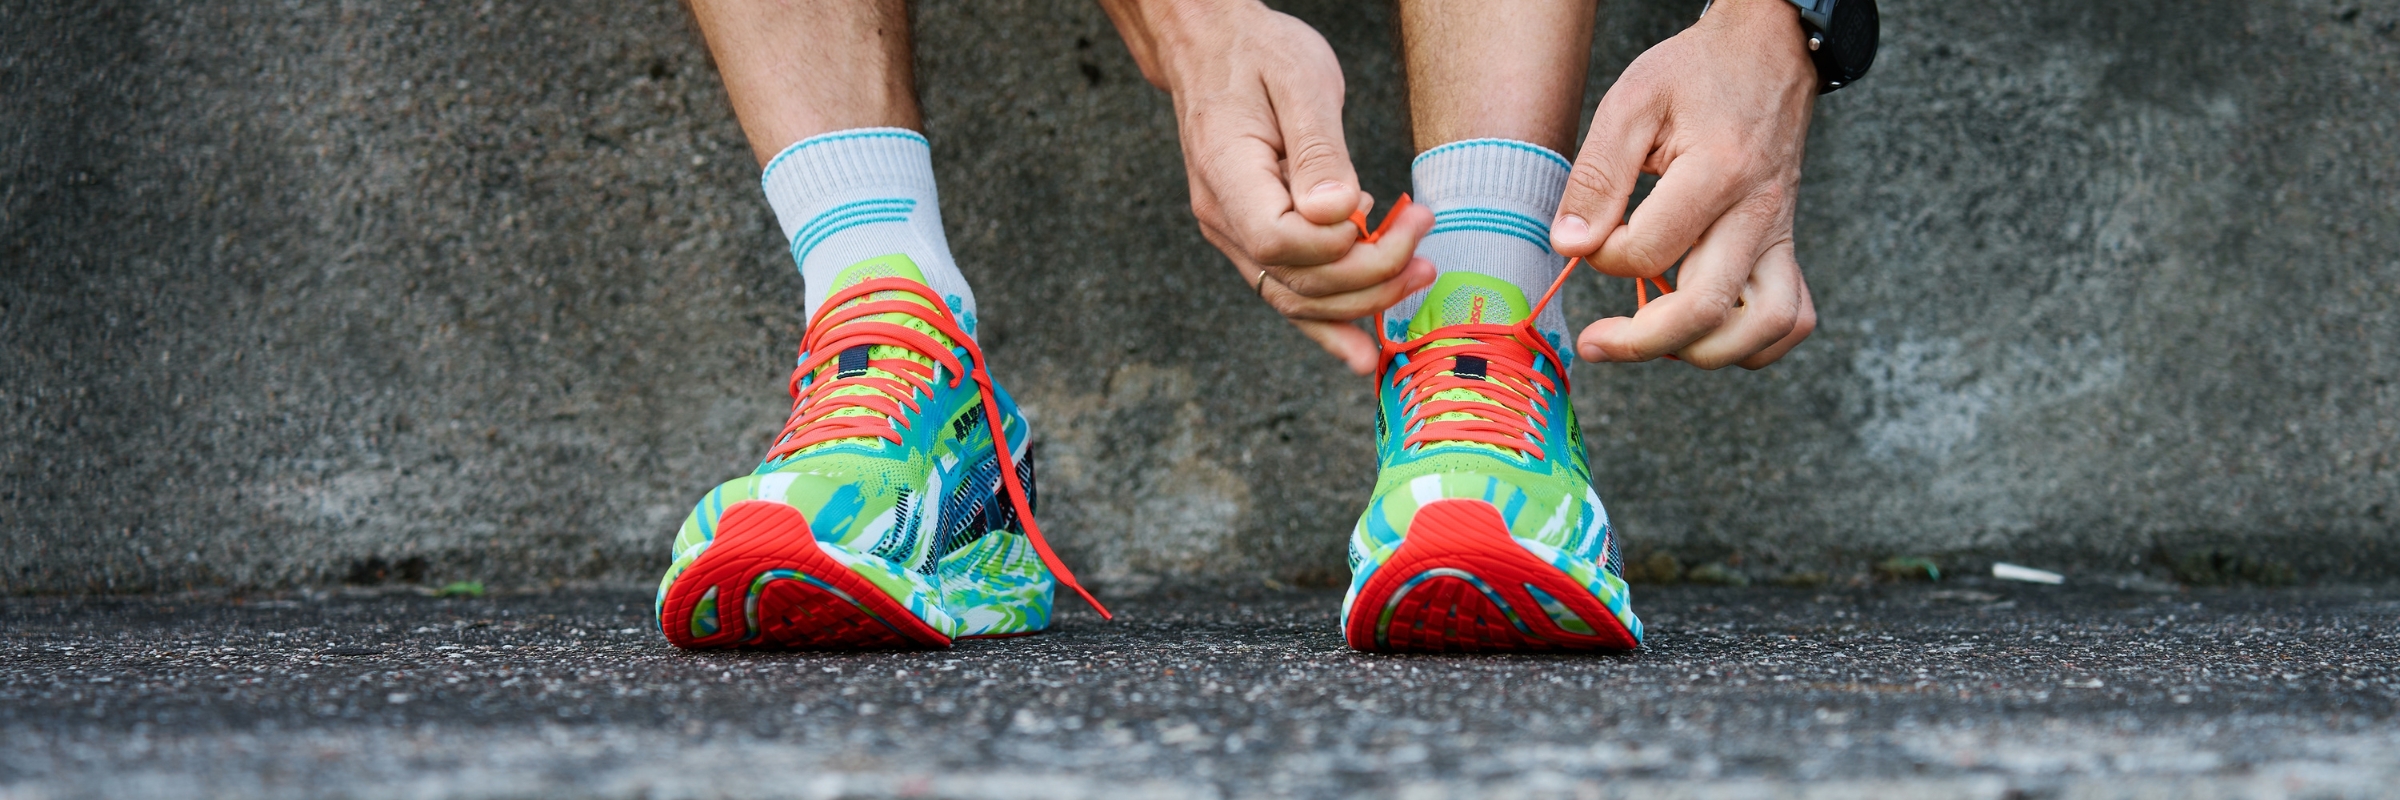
[
  {"x": 1707, "y": 290},
  {"x": 1366, "y": 263},
  {"x": 1695, "y": 191},
  {"x": 1606, "y": 170}
]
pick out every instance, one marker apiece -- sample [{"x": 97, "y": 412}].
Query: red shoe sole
[
  {"x": 1461, "y": 584},
  {"x": 804, "y": 598}
]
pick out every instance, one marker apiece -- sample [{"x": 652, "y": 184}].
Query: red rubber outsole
[
  {"x": 1461, "y": 584},
  {"x": 806, "y": 599}
]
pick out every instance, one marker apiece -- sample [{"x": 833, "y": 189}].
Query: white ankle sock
[
  {"x": 848, "y": 196},
  {"x": 1492, "y": 200}
]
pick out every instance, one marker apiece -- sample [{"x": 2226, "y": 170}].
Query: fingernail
[
  {"x": 1589, "y": 352},
  {"x": 1570, "y": 229},
  {"x": 1329, "y": 187}
]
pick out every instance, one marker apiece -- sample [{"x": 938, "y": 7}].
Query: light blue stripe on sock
[
  {"x": 1493, "y": 220},
  {"x": 801, "y": 249},
  {"x": 892, "y": 205},
  {"x": 1493, "y": 216},
  {"x": 846, "y": 216}
]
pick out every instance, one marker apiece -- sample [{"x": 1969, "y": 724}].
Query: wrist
[
  {"x": 1771, "y": 29},
  {"x": 1165, "y": 34},
  {"x": 1766, "y": 17}
]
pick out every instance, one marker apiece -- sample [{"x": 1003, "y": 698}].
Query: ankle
[
  {"x": 854, "y": 195},
  {"x": 1492, "y": 201}
]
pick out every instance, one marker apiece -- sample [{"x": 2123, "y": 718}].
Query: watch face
[{"x": 1850, "y": 43}]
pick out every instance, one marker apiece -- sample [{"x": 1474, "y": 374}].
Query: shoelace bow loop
[{"x": 814, "y": 401}]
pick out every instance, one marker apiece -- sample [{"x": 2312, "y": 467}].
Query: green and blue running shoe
[
  {"x": 1484, "y": 533},
  {"x": 888, "y": 514}
]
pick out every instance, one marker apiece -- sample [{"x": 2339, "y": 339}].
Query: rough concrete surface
[
  {"x": 1955, "y": 690},
  {"x": 294, "y": 293}
]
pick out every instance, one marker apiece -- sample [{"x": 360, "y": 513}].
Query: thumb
[
  {"x": 1308, "y": 113},
  {"x": 1606, "y": 171}
]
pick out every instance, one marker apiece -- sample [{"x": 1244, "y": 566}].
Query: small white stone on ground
[{"x": 2011, "y": 572}]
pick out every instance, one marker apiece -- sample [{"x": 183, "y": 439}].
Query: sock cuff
[
  {"x": 1514, "y": 176},
  {"x": 845, "y": 166}
]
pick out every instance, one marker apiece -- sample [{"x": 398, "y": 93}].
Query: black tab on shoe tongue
[
  {"x": 853, "y": 362},
  {"x": 1469, "y": 367}
]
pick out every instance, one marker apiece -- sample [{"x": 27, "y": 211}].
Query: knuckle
[
  {"x": 1588, "y": 179},
  {"x": 1313, "y": 153},
  {"x": 1283, "y": 302},
  {"x": 1646, "y": 256},
  {"x": 1274, "y": 250},
  {"x": 1300, "y": 282},
  {"x": 1781, "y": 324},
  {"x": 1774, "y": 200},
  {"x": 1317, "y": 61},
  {"x": 1709, "y": 311},
  {"x": 1302, "y": 308},
  {"x": 1631, "y": 94}
]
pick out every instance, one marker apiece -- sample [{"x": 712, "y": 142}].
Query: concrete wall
[{"x": 311, "y": 292}]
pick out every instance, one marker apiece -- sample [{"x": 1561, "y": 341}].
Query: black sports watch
[{"x": 1842, "y": 35}]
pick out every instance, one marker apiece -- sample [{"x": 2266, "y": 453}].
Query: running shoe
[
  {"x": 1484, "y": 533},
  {"x": 887, "y": 514}
]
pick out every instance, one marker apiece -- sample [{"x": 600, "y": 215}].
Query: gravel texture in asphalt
[{"x": 1956, "y": 689}]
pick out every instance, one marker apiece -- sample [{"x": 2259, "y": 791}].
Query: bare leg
[
  {"x": 1506, "y": 69},
  {"x": 798, "y": 68},
  {"x": 1493, "y": 69}
]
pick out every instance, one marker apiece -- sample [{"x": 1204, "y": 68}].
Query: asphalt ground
[{"x": 1971, "y": 689}]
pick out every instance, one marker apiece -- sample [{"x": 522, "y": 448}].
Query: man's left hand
[{"x": 1720, "y": 113}]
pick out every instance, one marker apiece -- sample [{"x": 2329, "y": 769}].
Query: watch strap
[{"x": 1817, "y": 13}]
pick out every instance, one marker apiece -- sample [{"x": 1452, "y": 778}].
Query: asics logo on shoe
[{"x": 965, "y": 423}]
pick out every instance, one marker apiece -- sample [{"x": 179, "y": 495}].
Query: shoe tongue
[
  {"x": 853, "y": 362},
  {"x": 1467, "y": 298},
  {"x": 891, "y": 266}
]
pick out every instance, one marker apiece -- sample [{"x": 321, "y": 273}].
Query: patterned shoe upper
[
  {"x": 889, "y": 455},
  {"x": 1473, "y": 405}
]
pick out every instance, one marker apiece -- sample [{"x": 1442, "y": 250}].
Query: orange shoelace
[
  {"x": 838, "y": 329},
  {"x": 1510, "y": 382}
]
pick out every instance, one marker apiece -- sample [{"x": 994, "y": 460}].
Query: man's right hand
[{"x": 1258, "y": 104}]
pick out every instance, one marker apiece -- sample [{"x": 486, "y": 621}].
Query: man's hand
[
  {"x": 1720, "y": 113},
  {"x": 1258, "y": 103}
]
